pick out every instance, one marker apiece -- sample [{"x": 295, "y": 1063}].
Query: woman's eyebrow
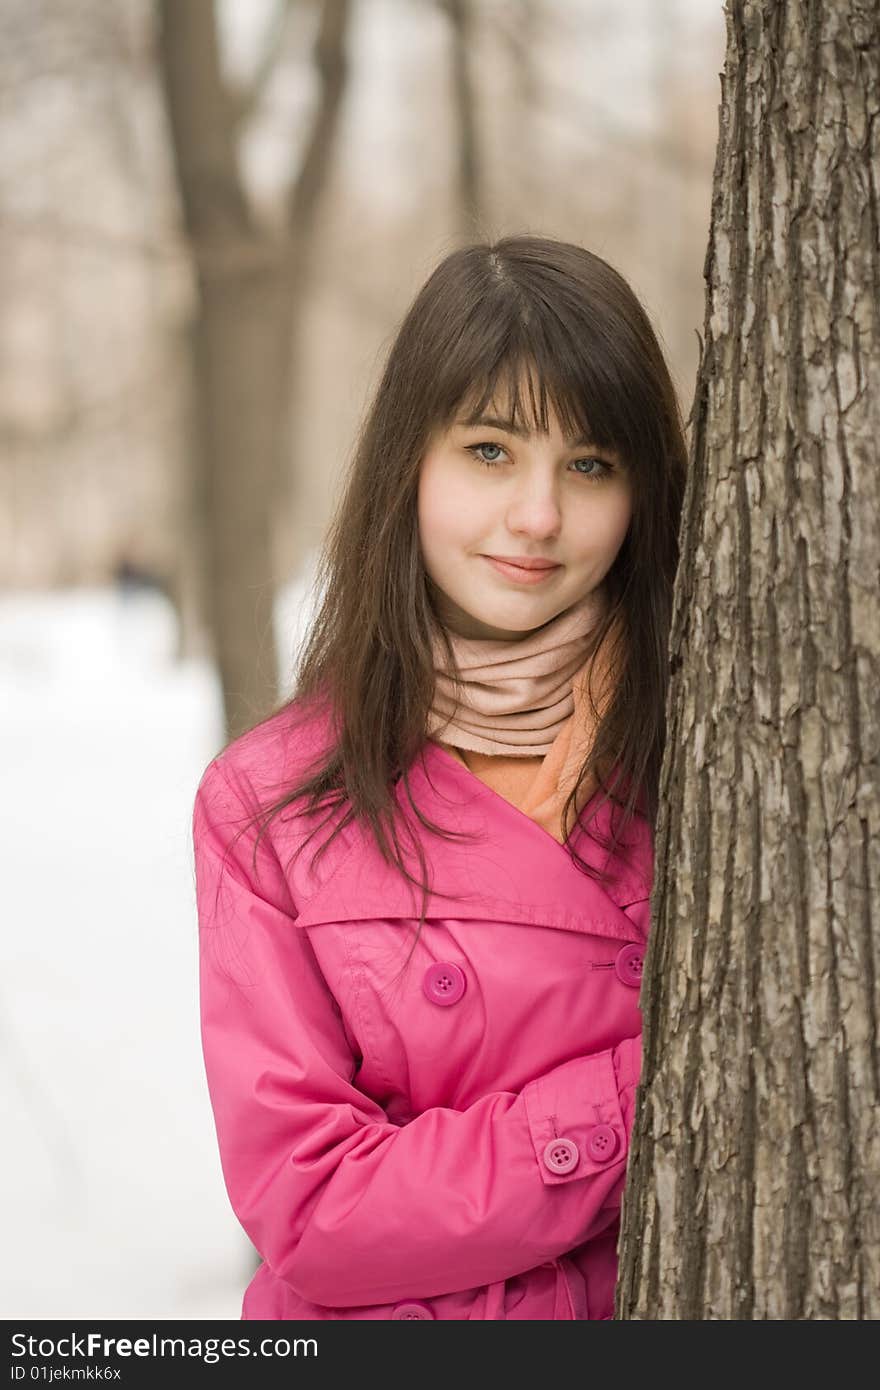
[{"x": 495, "y": 422}]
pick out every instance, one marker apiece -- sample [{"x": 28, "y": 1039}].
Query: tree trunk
[
  {"x": 754, "y": 1178},
  {"x": 243, "y": 346},
  {"x": 249, "y": 283}
]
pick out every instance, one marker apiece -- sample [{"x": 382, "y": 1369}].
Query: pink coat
[{"x": 448, "y": 1144}]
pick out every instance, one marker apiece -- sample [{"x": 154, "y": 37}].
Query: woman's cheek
[
  {"x": 617, "y": 519},
  {"x": 448, "y": 508}
]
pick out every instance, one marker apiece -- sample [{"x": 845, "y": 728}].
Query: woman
[{"x": 422, "y": 1036}]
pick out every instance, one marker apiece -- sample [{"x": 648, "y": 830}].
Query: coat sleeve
[{"x": 344, "y": 1205}]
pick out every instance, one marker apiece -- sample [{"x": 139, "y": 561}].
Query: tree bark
[{"x": 754, "y": 1175}]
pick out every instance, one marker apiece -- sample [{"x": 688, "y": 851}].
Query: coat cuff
[{"x": 576, "y": 1119}]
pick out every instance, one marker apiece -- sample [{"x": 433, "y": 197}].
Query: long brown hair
[{"x": 491, "y": 315}]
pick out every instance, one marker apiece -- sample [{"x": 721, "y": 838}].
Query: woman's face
[{"x": 486, "y": 491}]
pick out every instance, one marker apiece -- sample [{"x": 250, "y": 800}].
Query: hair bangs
[{"x": 538, "y": 367}]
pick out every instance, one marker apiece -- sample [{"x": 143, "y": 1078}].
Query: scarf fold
[
  {"x": 537, "y": 777},
  {"x": 516, "y": 695}
]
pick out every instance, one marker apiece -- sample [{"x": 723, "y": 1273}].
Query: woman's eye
[
  {"x": 490, "y": 463},
  {"x": 602, "y": 471}
]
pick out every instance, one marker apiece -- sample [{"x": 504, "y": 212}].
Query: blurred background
[{"x": 213, "y": 214}]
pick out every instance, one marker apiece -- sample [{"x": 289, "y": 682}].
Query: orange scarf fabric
[{"x": 539, "y": 786}]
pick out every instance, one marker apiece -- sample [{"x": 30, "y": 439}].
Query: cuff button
[{"x": 561, "y": 1155}]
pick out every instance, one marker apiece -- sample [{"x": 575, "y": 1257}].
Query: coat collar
[{"x": 505, "y": 868}]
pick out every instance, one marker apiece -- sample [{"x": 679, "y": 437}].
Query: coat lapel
[{"x": 504, "y": 867}]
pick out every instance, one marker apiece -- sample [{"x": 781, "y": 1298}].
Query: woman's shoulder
[{"x": 267, "y": 760}]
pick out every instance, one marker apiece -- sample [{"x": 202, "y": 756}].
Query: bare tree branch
[
  {"x": 332, "y": 65},
  {"x": 244, "y": 100},
  {"x": 460, "y": 15},
  {"x": 211, "y": 189}
]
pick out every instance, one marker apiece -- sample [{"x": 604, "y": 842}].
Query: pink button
[
  {"x": 561, "y": 1155},
  {"x": 444, "y": 982},
  {"x": 412, "y": 1312},
  {"x": 628, "y": 964},
  {"x": 602, "y": 1143}
]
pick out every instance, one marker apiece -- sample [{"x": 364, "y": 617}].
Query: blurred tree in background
[{"x": 249, "y": 280}]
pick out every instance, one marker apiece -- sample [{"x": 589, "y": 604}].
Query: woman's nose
[{"x": 536, "y": 512}]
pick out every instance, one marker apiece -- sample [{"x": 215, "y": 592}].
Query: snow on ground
[{"x": 114, "y": 1203}]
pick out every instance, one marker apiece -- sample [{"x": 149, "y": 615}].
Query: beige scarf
[
  {"x": 538, "y": 785},
  {"x": 516, "y": 695}
]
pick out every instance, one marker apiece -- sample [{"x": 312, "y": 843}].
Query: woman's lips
[{"x": 520, "y": 575}]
